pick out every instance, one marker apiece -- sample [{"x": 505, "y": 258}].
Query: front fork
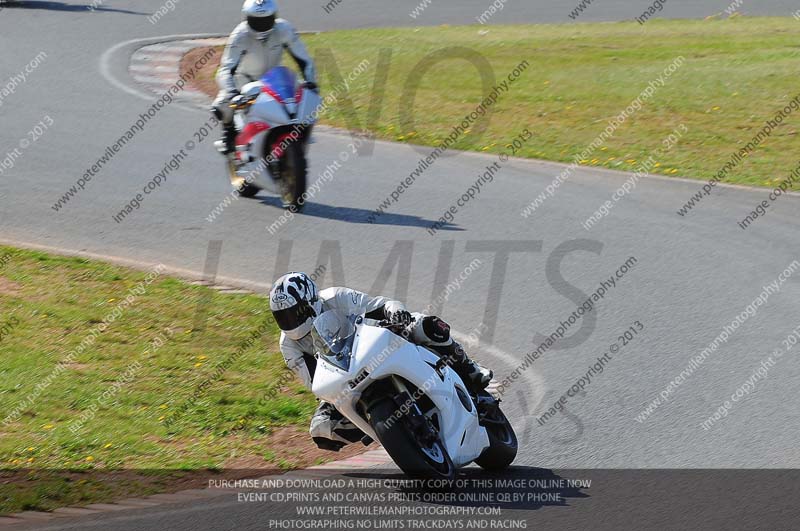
[{"x": 419, "y": 423}]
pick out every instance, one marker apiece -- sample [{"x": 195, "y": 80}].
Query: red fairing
[{"x": 250, "y": 131}]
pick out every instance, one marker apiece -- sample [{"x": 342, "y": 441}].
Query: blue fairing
[{"x": 282, "y": 81}]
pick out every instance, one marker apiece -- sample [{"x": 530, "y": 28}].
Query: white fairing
[
  {"x": 270, "y": 111},
  {"x": 382, "y": 354}
]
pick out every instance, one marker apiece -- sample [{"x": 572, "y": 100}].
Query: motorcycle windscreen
[
  {"x": 332, "y": 334},
  {"x": 282, "y": 81}
]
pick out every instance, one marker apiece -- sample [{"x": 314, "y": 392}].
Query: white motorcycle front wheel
[{"x": 416, "y": 457}]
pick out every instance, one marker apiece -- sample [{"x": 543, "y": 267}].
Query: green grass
[
  {"x": 738, "y": 72},
  {"x": 51, "y": 304}
]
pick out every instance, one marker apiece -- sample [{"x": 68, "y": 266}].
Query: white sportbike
[
  {"x": 273, "y": 117},
  {"x": 407, "y": 398}
]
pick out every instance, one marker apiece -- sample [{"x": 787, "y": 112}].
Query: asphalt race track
[{"x": 691, "y": 276}]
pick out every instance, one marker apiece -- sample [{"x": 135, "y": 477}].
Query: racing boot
[
  {"x": 476, "y": 377},
  {"x": 227, "y": 144},
  {"x": 330, "y": 430}
]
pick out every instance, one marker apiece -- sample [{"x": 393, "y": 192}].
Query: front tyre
[
  {"x": 293, "y": 176},
  {"x": 417, "y": 460},
  {"x": 502, "y": 448}
]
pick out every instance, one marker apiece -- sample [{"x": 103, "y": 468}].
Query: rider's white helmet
[
  {"x": 295, "y": 303},
  {"x": 260, "y": 16}
]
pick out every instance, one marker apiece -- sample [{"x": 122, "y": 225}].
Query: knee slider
[{"x": 327, "y": 444}]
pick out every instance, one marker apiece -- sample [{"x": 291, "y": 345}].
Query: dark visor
[
  {"x": 261, "y": 24},
  {"x": 291, "y": 318}
]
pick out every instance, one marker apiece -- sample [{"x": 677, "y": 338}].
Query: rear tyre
[
  {"x": 247, "y": 190},
  {"x": 502, "y": 448},
  {"x": 242, "y": 187},
  {"x": 416, "y": 460}
]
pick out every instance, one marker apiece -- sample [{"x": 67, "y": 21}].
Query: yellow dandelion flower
[
  {"x": 198, "y": 365},
  {"x": 31, "y": 448},
  {"x": 89, "y": 458},
  {"x": 603, "y": 148},
  {"x": 657, "y": 164},
  {"x": 715, "y": 108},
  {"x": 584, "y": 161},
  {"x": 162, "y": 406},
  {"x": 161, "y": 418},
  {"x": 108, "y": 445},
  {"x": 30, "y": 459},
  {"x": 111, "y": 300},
  {"x": 48, "y": 426}
]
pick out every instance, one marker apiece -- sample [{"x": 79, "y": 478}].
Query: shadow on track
[
  {"x": 61, "y": 6},
  {"x": 358, "y": 215}
]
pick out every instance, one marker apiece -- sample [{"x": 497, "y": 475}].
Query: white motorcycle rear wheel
[{"x": 503, "y": 444}]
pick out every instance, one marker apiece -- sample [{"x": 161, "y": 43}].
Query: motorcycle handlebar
[{"x": 397, "y": 328}]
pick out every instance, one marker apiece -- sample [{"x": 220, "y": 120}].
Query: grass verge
[
  {"x": 738, "y": 73},
  {"x": 177, "y": 384}
]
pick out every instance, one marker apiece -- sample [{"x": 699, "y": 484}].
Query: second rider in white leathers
[{"x": 254, "y": 47}]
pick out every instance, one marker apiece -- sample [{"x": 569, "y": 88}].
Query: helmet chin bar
[
  {"x": 262, "y": 26},
  {"x": 300, "y": 332}
]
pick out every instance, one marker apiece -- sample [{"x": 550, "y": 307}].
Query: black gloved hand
[
  {"x": 401, "y": 317},
  {"x": 310, "y": 85}
]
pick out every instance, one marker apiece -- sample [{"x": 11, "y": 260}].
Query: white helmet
[
  {"x": 260, "y": 16},
  {"x": 294, "y": 303}
]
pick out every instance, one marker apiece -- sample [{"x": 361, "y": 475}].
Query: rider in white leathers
[
  {"x": 255, "y": 46},
  {"x": 295, "y": 303}
]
